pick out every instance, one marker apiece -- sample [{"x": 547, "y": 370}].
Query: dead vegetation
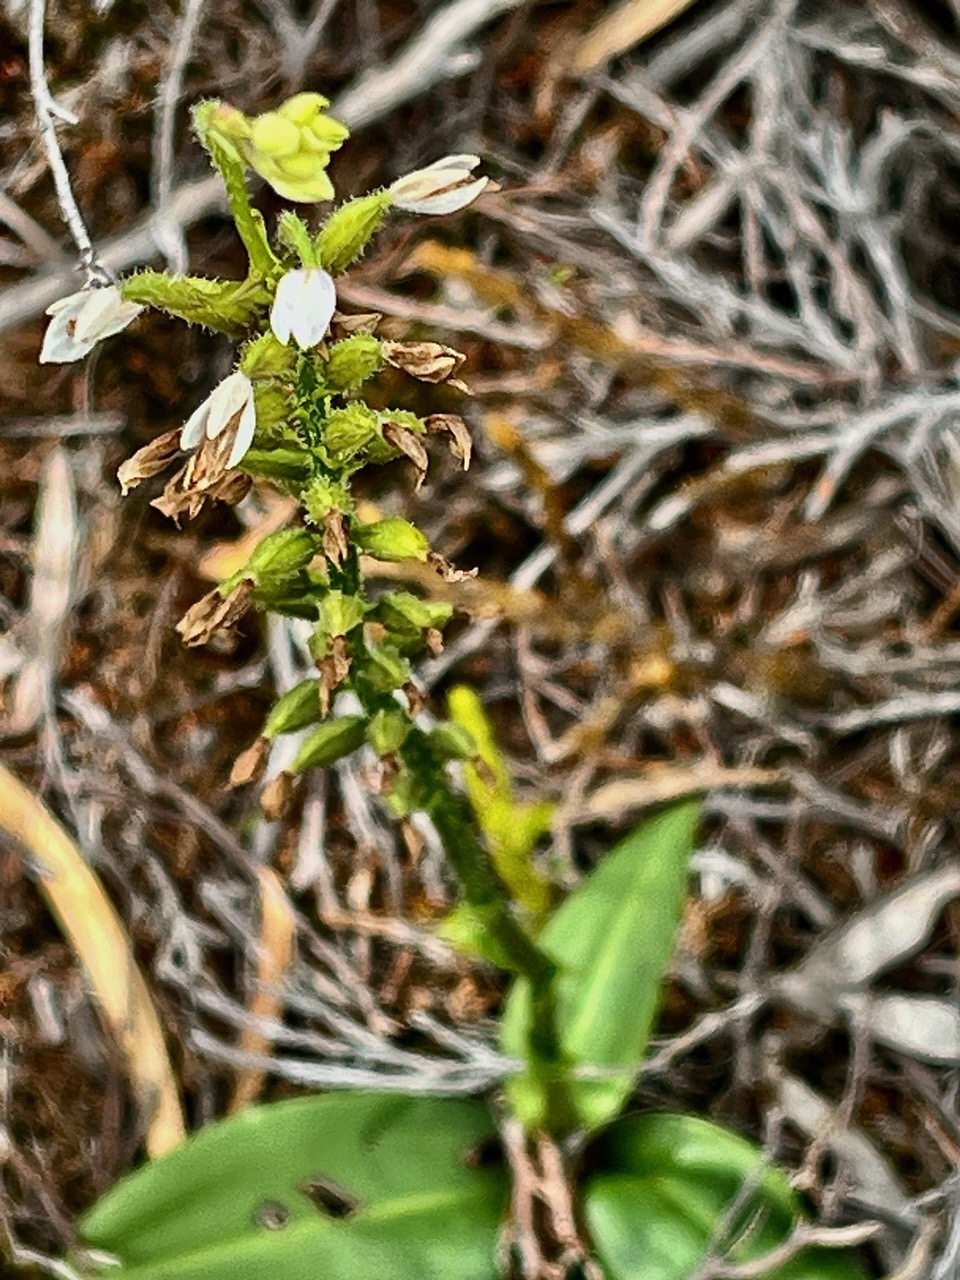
[{"x": 712, "y": 328}]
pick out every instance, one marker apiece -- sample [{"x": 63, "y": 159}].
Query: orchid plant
[
  {"x": 291, "y": 412},
  {"x": 346, "y": 1185}
]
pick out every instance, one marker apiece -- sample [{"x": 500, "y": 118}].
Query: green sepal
[
  {"x": 385, "y": 669},
  {"x": 299, "y": 707},
  {"x": 293, "y": 234},
  {"x": 323, "y": 495},
  {"x": 347, "y": 430},
  {"x": 340, "y": 613},
  {"x": 281, "y": 554},
  {"x": 273, "y": 406},
  {"x": 388, "y": 730},
  {"x": 267, "y": 357},
  {"x": 403, "y": 612},
  {"x": 292, "y": 465},
  {"x": 392, "y": 539},
  {"x": 330, "y": 742},
  {"x": 226, "y": 306},
  {"x": 353, "y": 360},
  {"x": 349, "y": 229}
]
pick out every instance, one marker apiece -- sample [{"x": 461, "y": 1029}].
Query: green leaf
[
  {"x": 665, "y": 1194},
  {"x": 324, "y": 1188},
  {"x": 611, "y": 940}
]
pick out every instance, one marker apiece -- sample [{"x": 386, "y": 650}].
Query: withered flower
[
  {"x": 215, "y": 612},
  {"x": 148, "y": 461},
  {"x": 411, "y": 446},
  {"x": 428, "y": 361},
  {"x": 250, "y": 764},
  {"x": 461, "y": 446},
  {"x": 446, "y": 570}
]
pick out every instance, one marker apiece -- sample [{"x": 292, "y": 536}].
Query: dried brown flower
[
  {"x": 428, "y": 361},
  {"x": 409, "y": 444},
  {"x": 214, "y": 613},
  {"x": 148, "y": 461},
  {"x": 461, "y": 446}
]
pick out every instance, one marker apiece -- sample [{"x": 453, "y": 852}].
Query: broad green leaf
[
  {"x": 666, "y": 1192},
  {"x": 335, "y": 1187},
  {"x": 512, "y": 830},
  {"x": 612, "y": 940}
]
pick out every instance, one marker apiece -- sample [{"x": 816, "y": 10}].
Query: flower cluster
[{"x": 292, "y": 411}]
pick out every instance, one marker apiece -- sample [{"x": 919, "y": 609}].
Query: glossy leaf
[
  {"x": 666, "y": 1192},
  {"x": 612, "y": 940},
  {"x": 323, "y": 1188}
]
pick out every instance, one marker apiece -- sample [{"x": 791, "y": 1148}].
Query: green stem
[
  {"x": 249, "y": 221},
  {"x": 489, "y": 898}
]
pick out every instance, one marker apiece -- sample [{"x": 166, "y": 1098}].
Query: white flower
[
  {"x": 442, "y": 187},
  {"x": 82, "y": 319},
  {"x": 304, "y": 306},
  {"x": 229, "y": 407}
]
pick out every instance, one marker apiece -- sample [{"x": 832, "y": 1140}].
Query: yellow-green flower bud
[
  {"x": 322, "y": 496},
  {"x": 340, "y": 613},
  {"x": 388, "y": 730},
  {"x": 385, "y": 669},
  {"x": 274, "y": 136},
  {"x": 348, "y": 230},
  {"x": 304, "y": 108},
  {"x": 392, "y": 539},
  {"x": 452, "y": 742},
  {"x": 332, "y": 741},
  {"x": 354, "y": 360},
  {"x": 290, "y": 147},
  {"x": 295, "y": 710},
  {"x": 281, "y": 555},
  {"x": 349, "y": 429}
]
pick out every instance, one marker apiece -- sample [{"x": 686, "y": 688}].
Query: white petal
[
  {"x": 245, "y": 431},
  {"x": 318, "y": 303},
  {"x": 286, "y": 305},
  {"x": 453, "y": 162},
  {"x": 71, "y": 300},
  {"x": 445, "y": 201},
  {"x": 60, "y": 344},
  {"x": 192, "y": 431},
  {"x": 83, "y": 318},
  {"x": 226, "y": 400}
]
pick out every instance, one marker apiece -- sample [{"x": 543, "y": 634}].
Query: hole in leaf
[
  {"x": 329, "y": 1198},
  {"x": 272, "y": 1215},
  {"x": 486, "y": 1154}
]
